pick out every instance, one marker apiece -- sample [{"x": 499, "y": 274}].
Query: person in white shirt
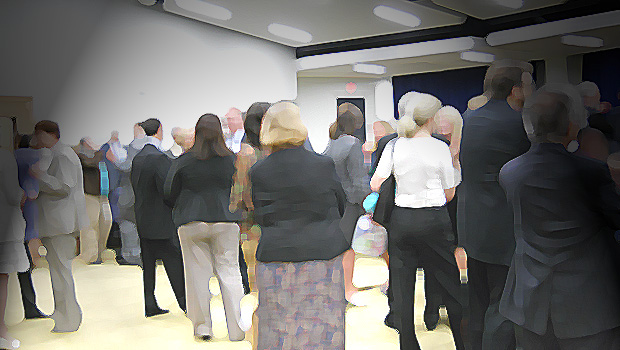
[{"x": 419, "y": 231}]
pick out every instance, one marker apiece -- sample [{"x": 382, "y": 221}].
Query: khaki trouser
[
  {"x": 208, "y": 248},
  {"x": 94, "y": 238}
]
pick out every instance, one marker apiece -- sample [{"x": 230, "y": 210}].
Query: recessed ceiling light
[
  {"x": 289, "y": 32},
  {"x": 369, "y": 68},
  {"x": 397, "y": 16},
  {"x": 513, "y": 4},
  {"x": 206, "y": 9},
  {"x": 475, "y": 56},
  {"x": 578, "y": 40}
]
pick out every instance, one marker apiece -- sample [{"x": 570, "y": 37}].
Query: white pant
[
  {"x": 67, "y": 314},
  {"x": 93, "y": 239},
  {"x": 209, "y": 247}
]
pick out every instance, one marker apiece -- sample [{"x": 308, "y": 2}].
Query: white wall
[
  {"x": 128, "y": 62},
  {"x": 317, "y": 102}
]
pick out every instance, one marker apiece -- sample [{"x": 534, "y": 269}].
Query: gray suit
[{"x": 62, "y": 215}]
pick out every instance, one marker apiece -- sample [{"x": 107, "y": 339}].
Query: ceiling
[{"x": 339, "y": 33}]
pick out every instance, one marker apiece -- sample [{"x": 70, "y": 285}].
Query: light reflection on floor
[{"x": 111, "y": 299}]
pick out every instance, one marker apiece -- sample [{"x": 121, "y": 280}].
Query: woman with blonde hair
[
  {"x": 419, "y": 232},
  {"x": 298, "y": 202}
]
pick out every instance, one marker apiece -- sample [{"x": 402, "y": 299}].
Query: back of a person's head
[
  {"x": 209, "y": 140},
  {"x": 253, "y": 120},
  {"x": 588, "y": 89},
  {"x": 49, "y": 127},
  {"x": 282, "y": 126},
  {"x": 503, "y": 75},
  {"x": 548, "y": 113},
  {"x": 419, "y": 110},
  {"x": 150, "y": 126},
  {"x": 451, "y": 117},
  {"x": 404, "y": 100}
]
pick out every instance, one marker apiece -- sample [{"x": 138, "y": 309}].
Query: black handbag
[{"x": 385, "y": 202}]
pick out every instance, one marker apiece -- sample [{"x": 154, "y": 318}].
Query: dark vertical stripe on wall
[
  {"x": 452, "y": 87},
  {"x": 603, "y": 68}
]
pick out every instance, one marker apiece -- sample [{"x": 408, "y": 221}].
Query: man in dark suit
[
  {"x": 563, "y": 286},
  {"x": 492, "y": 135},
  {"x": 158, "y": 236}
]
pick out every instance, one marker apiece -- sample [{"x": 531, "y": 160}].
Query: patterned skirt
[{"x": 301, "y": 305}]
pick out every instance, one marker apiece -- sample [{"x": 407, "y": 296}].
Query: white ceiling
[{"x": 330, "y": 21}]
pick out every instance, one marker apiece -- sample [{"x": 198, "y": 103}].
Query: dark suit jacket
[
  {"x": 298, "y": 203},
  {"x": 199, "y": 190},
  {"x": 148, "y": 174},
  {"x": 566, "y": 210},
  {"x": 492, "y": 135}
]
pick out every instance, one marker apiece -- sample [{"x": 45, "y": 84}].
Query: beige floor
[{"x": 111, "y": 299}]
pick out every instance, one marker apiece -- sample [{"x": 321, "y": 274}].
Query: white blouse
[{"x": 423, "y": 170}]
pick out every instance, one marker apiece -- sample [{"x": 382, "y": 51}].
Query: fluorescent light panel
[
  {"x": 369, "y": 68},
  {"x": 205, "y": 9},
  {"x": 397, "y": 16},
  {"x": 289, "y": 32},
  {"x": 584, "y": 41},
  {"x": 475, "y": 56}
]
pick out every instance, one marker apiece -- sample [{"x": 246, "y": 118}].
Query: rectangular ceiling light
[
  {"x": 369, "y": 68},
  {"x": 205, "y": 9},
  {"x": 584, "y": 41},
  {"x": 290, "y": 33},
  {"x": 475, "y": 56},
  {"x": 397, "y": 16}
]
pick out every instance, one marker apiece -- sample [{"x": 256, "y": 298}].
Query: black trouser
[
  {"x": 29, "y": 298},
  {"x": 244, "y": 272},
  {"x": 488, "y": 329},
  {"x": 169, "y": 251},
  {"x": 528, "y": 340},
  {"x": 423, "y": 237}
]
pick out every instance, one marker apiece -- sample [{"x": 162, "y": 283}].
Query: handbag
[
  {"x": 368, "y": 237},
  {"x": 387, "y": 194}
]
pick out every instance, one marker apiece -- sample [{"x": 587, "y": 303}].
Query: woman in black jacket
[{"x": 199, "y": 185}]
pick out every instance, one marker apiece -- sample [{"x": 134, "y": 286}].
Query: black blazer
[
  {"x": 566, "y": 210},
  {"x": 148, "y": 173},
  {"x": 199, "y": 190},
  {"x": 298, "y": 203},
  {"x": 492, "y": 135}
]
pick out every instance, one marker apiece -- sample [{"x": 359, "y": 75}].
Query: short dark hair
[
  {"x": 150, "y": 126},
  {"x": 24, "y": 141},
  {"x": 503, "y": 80},
  {"x": 49, "y": 127}
]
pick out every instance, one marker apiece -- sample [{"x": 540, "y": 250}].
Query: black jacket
[
  {"x": 564, "y": 267},
  {"x": 492, "y": 135},
  {"x": 298, "y": 203},
  {"x": 199, "y": 190},
  {"x": 148, "y": 174}
]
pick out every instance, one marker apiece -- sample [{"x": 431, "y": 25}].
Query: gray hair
[
  {"x": 549, "y": 112},
  {"x": 404, "y": 100},
  {"x": 588, "y": 89}
]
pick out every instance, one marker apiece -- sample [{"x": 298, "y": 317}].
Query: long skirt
[{"x": 301, "y": 305}]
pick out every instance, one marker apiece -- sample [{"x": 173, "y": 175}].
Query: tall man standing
[
  {"x": 158, "y": 236},
  {"x": 62, "y": 215},
  {"x": 492, "y": 135}
]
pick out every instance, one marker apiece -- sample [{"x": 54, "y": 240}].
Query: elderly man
[
  {"x": 183, "y": 140},
  {"x": 62, "y": 215},
  {"x": 563, "y": 285}
]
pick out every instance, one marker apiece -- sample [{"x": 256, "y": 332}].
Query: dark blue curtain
[
  {"x": 452, "y": 87},
  {"x": 603, "y": 68}
]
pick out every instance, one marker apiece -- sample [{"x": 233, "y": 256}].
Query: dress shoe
[
  {"x": 96, "y": 262},
  {"x": 389, "y": 320},
  {"x": 34, "y": 315},
  {"x": 156, "y": 312},
  {"x": 204, "y": 337},
  {"x": 122, "y": 261},
  {"x": 431, "y": 320}
]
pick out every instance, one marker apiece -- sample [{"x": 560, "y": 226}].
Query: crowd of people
[{"x": 511, "y": 210}]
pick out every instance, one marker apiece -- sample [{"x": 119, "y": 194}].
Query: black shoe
[
  {"x": 156, "y": 312},
  {"x": 122, "y": 261},
  {"x": 431, "y": 320},
  {"x": 96, "y": 262},
  {"x": 205, "y": 337},
  {"x": 35, "y": 315}
]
